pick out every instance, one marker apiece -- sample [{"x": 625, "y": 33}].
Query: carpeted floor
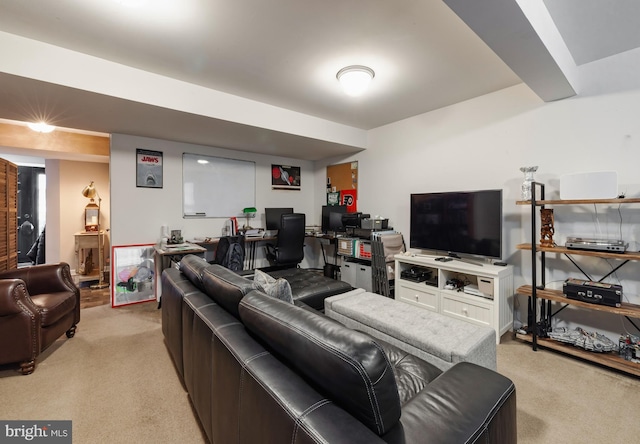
[{"x": 115, "y": 380}]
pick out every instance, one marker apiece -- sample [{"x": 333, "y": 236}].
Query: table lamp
[
  {"x": 249, "y": 212},
  {"x": 92, "y": 224}
]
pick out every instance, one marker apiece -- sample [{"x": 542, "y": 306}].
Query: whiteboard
[{"x": 217, "y": 187}]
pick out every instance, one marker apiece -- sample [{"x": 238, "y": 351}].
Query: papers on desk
[
  {"x": 185, "y": 246},
  {"x": 254, "y": 233}
]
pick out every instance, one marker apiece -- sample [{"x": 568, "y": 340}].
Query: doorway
[{"x": 31, "y": 213}]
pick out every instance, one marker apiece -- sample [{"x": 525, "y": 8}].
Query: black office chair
[{"x": 289, "y": 249}]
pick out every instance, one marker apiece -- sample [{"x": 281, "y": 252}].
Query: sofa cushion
[
  {"x": 225, "y": 287},
  {"x": 54, "y": 306},
  {"x": 277, "y": 288},
  {"x": 346, "y": 365},
  {"x": 192, "y": 267}
]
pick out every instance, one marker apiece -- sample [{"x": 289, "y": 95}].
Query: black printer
[{"x": 354, "y": 220}]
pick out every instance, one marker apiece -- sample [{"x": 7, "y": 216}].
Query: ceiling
[{"x": 285, "y": 53}]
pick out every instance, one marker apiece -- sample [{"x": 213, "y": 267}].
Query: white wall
[
  {"x": 138, "y": 213},
  {"x": 482, "y": 143},
  {"x": 65, "y": 205}
]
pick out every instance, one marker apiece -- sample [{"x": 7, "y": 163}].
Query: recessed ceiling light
[
  {"x": 355, "y": 79},
  {"x": 41, "y": 127},
  {"x": 203, "y": 162}
]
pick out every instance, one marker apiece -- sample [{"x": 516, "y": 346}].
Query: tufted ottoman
[
  {"x": 440, "y": 340},
  {"x": 309, "y": 286}
]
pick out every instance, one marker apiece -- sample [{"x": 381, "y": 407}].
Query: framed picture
[
  {"x": 285, "y": 177},
  {"x": 148, "y": 168},
  {"x": 132, "y": 274}
]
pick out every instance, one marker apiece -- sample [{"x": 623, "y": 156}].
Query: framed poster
[
  {"x": 285, "y": 177},
  {"x": 148, "y": 168},
  {"x": 132, "y": 274}
]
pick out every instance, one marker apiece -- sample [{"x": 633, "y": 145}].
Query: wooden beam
[{"x": 18, "y": 136}]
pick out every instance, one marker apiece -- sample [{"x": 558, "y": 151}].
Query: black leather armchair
[{"x": 289, "y": 249}]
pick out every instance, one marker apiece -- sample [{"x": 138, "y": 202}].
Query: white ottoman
[{"x": 440, "y": 340}]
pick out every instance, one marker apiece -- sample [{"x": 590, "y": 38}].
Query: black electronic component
[{"x": 593, "y": 292}]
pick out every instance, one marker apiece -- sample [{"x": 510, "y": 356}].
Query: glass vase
[{"x": 526, "y": 183}]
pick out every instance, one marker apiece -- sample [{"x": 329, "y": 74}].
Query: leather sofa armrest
[
  {"x": 45, "y": 278},
  {"x": 467, "y": 403}
]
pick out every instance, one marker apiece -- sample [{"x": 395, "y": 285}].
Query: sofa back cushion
[
  {"x": 349, "y": 367},
  {"x": 192, "y": 267},
  {"x": 225, "y": 287}
]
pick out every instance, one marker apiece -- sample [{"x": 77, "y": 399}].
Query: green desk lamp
[{"x": 249, "y": 212}]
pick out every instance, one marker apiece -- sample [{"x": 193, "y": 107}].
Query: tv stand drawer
[
  {"x": 468, "y": 309},
  {"x": 418, "y": 294}
]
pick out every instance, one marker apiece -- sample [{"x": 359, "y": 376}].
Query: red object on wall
[{"x": 349, "y": 198}]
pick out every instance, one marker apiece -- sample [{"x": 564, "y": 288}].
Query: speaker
[{"x": 595, "y": 185}]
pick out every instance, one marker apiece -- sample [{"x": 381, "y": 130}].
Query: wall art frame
[
  {"x": 148, "y": 168},
  {"x": 132, "y": 274}
]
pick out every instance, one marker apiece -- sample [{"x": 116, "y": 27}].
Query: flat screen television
[
  {"x": 272, "y": 217},
  {"x": 332, "y": 218},
  {"x": 458, "y": 223}
]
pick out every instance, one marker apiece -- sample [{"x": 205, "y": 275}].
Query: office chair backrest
[{"x": 290, "y": 244}]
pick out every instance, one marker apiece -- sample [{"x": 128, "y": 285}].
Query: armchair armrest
[
  {"x": 14, "y": 299},
  {"x": 20, "y": 338},
  {"x": 46, "y": 278}
]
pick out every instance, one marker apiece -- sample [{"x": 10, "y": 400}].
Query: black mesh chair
[{"x": 288, "y": 251}]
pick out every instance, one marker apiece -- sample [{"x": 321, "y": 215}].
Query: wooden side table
[{"x": 85, "y": 241}]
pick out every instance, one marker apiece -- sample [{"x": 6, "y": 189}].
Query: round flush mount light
[
  {"x": 40, "y": 127},
  {"x": 355, "y": 79}
]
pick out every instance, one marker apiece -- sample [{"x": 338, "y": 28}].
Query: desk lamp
[
  {"x": 92, "y": 223},
  {"x": 249, "y": 212}
]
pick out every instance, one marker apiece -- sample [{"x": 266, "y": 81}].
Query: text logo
[{"x": 35, "y": 432}]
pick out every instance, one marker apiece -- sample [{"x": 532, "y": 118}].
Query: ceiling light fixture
[
  {"x": 41, "y": 127},
  {"x": 355, "y": 79}
]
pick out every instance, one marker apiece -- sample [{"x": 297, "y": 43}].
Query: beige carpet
[{"x": 115, "y": 380}]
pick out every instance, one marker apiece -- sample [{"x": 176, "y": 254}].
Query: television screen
[
  {"x": 468, "y": 223},
  {"x": 332, "y": 223},
  {"x": 272, "y": 217}
]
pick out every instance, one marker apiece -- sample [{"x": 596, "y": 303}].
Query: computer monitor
[
  {"x": 332, "y": 218},
  {"x": 272, "y": 217}
]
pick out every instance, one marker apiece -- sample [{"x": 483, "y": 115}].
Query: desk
[
  {"x": 164, "y": 254},
  {"x": 88, "y": 241},
  {"x": 250, "y": 244}
]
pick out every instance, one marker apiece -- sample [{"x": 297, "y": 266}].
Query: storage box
[
  {"x": 346, "y": 246},
  {"x": 485, "y": 285},
  {"x": 363, "y": 249},
  {"x": 375, "y": 224}
]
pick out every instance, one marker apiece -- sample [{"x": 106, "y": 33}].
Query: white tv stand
[{"x": 496, "y": 313}]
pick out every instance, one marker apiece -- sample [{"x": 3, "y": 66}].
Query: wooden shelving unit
[{"x": 609, "y": 359}]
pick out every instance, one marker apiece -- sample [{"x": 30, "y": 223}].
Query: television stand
[{"x": 496, "y": 282}]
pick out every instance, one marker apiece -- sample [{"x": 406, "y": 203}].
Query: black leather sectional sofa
[{"x": 260, "y": 370}]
